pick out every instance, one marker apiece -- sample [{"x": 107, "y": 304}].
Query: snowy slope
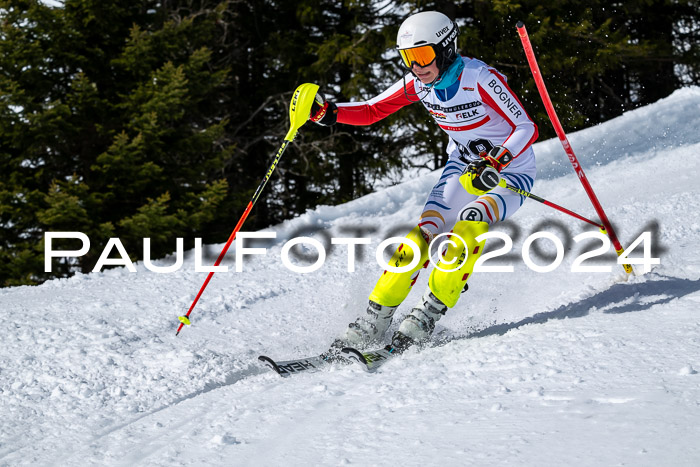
[{"x": 557, "y": 368}]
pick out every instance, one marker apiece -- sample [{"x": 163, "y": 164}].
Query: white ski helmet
[{"x": 426, "y": 37}]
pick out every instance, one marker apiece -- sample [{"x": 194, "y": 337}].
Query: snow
[{"x": 557, "y": 368}]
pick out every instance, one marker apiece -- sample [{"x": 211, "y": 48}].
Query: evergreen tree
[
  {"x": 145, "y": 118},
  {"x": 112, "y": 125}
]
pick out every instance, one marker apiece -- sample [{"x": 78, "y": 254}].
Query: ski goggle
[{"x": 423, "y": 55}]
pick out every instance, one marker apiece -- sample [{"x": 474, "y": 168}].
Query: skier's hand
[
  {"x": 498, "y": 157},
  {"x": 480, "y": 177},
  {"x": 323, "y": 112}
]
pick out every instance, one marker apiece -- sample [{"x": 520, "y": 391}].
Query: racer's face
[{"x": 426, "y": 74}]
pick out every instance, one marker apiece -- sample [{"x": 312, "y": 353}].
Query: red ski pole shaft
[
  {"x": 539, "y": 81},
  {"x": 299, "y": 110},
  {"x": 185, "y": 320}
]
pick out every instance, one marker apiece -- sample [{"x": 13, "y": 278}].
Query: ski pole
[
  {"x": 527, "y": 194},
  {"x": 299, "y": 111},
  {"x": 539, "y": 81}
]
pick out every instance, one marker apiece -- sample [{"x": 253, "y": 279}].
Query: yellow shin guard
[
  {"x": 458, "y": 261},
  {"x": 393, "y": 287}
]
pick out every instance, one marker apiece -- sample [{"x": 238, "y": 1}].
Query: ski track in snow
[{"x": 548, "y": 369}]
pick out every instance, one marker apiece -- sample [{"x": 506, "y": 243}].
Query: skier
[{"x": 491, "y": 138}]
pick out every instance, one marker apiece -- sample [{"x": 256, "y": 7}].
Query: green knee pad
[
  {"x": 393, "y": 287},
  {"x": 447, "y": 286}
]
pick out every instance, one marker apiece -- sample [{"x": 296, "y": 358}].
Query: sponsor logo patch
[
  {"x": 406, "y": 38},
  {"x": 455, "y": 108},
  {"x": 438, "y": 115},
  {"x": 471, "y": 214},
  {"x": 504, "y": 96}
]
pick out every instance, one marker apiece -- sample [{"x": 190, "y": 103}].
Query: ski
[
  {"x": 370, "y": 360},
  {"x": 286, "y": 368}
]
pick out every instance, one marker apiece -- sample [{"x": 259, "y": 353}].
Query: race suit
[{"x": 478, "y": 111}]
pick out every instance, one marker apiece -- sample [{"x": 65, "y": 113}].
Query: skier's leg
[
  {"x": 445, "y": 200},
  {"x": 446, "y": 282},
  {"x": 391, "y": 289},
  {"x": 448, "y": 279},
  {"x": 444, "y": 288}
]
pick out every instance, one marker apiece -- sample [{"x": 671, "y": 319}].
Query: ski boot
[
  {"x": 418, "y": 326},
  {"x": 364, "y": 331},
  {"x": 369, "y": 328}
]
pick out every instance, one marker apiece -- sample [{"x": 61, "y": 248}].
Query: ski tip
[
  {"x": 354, "y": 354},
  {"x": 270, "y": 363}
]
